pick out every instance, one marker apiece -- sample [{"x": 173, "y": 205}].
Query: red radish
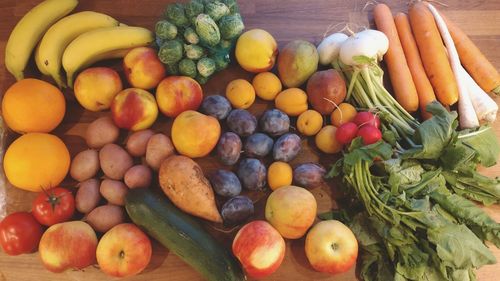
[
  {"x": 366, "y": 118},
  {"x": 370, "y": 134},
  {"x": 346, "y": 132}
]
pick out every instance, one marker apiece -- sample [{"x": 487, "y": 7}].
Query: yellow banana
[
  {"x": 48, "y": 55},
  {"x": 82, "y": 51},
  {"x": 30, "y": 29}
]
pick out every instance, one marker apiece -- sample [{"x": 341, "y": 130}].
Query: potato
[
  {"x": 87, "y": 197},
  {"x": 103, "y": 218},
  {"x": 159, "y": 147},
  {"x": 182, "y": 180},
  {"x": 137, "y": 142},
  {"x": 101, "y": 132},
  {"x": 85, "y": 165},
  {"x": 138, "y": 176},
  {"x": 114, "y": 191},
  {"x": 115, "y": 161}
]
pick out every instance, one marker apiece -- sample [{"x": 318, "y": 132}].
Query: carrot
[
  {"x": 433, "y": 54},
  {"x": 424, "y": 88},
  {"x": 478, "y": 66},
  {"x": 399, "y": 72}
]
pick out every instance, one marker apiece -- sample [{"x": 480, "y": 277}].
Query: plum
[
  {"x": 286, "y": 147},
  {"x": 216, "y": 106},
  {"x": 309, "y": 175},
  {"x": 237, "y": 210},
  {"x": 225, "y": 183},
  {"x": 252, "y": 174},
  {"x": 258, "y": 145},
  {"x": 274, "y": 122},
  {"x": 229, "y": 148},
  {"x": 241, "y": 122}
]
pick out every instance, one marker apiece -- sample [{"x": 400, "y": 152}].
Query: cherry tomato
[
  {"x": 54, "y": 206},
  {"x": 20, "y": 233}
]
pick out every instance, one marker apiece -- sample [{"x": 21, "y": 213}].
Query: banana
[
  {"x": 30, "y": 29},
  {"x": 82, "y": 51},
  {"x": 48, "y": 55}
]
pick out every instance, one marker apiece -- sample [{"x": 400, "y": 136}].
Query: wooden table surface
[{"x": 286, "y": 20}]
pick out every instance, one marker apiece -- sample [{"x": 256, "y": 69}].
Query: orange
[
  {"x": 240, "y": 93},
  {"x": 35, "y": 161},
  {"x": 267, "y": 85},
  {"x": 33, "y": 106}
]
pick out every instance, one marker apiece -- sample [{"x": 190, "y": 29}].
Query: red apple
[
  {"x": 325, "y": 90},
  {"x": 68, "y": 245},
  {"x": 142, "y": 68},
  {"x": 176, "y": 94},
  {"x": 260, "y": 248},
  {"x": 124, "y": 251},
  {"x": 331, "y": 247}
]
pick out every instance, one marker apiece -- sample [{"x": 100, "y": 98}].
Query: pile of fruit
[{"x": 411, "y": 181}]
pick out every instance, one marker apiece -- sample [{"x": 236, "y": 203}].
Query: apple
[
  {"x": 325, "y": 90},
  {"x": 142, "y": 68},
  {"x": 134, "y": 109},
  {"x": 331, "y": 247},
  {"x": 96, "y": 87},
  {"x": 259, "y": 248},
  {"x": 291, "y": 210},
  {"x": 68, "y": 245},
  {"x": 176, "y": 94},
  {"x": 124, "y": 251}
]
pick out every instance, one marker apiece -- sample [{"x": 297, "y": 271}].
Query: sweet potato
[{"x": 183, "y": 182}]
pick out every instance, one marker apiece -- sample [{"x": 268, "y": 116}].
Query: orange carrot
[
  {"x": 478, "y": 66},
  {"x": 399, "y": 72},
  {"x": 433, "y": 53},
  {"x": 422, "y": 83}
]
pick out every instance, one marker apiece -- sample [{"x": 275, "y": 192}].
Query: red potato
[
  {"x": 101, "y": 132},
  {"x": 85, "y": 165},
  {"x": 115, "y": 161},
  {"x": 103, "y": 218},
  {"x": 159, "y": 147},
  {"x": 113, "y": 191},
  {"x": 87, "y": 197},
  {"x": 138, "y": 176},
  {"x": 138, "y": 141}
]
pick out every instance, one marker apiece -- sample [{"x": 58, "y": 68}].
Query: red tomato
[
  {"x": 20, "y": 233},
  {"x": 54, "y": 206}
]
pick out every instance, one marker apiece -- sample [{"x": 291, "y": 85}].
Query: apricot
[
  {"x": 292, "y": 101},
  {"x": 326, "y": 141},
  {"x": 240, "y": 93},
  {"x": 309, "y": 122}
]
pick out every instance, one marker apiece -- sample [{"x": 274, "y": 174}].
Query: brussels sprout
[
  {"x": 221, "y": 61},
  {"x": 176, "y": 14},
  {"x": 191, "y": 36},
  {"x": 187, "y": 67},
  {"x": 226, "y": 45},
  {"x": 216, "y": 10},
  {"x": 206, "y": 67},
  {"x": 194, "y": 8},
  {"x": 173, "y": 68},
  {"x": 170, "y": 52},
  {"x": 231, "y": 26},
  {"x": 207, "y": 29},
  {"x": 194, "y": 52},
  {"x": 202, "y": 80},
  {"x": 165, "y": 30},
  {"x": 232, "y": 5},
  {"x": 158, "y": 42}
]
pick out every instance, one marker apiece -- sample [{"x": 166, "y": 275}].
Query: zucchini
[{"x": 182, "y": 235}]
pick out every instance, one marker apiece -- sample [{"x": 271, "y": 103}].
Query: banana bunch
[{"x": 69, "y": 42}]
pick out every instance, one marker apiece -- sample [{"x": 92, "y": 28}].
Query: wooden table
[{"x": 286, "y": 20}]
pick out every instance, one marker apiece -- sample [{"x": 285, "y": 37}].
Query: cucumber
[{"x": 182, "y": 235}]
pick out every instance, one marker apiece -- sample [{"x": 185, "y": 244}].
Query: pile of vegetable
[{"x": 195, "y": 39}]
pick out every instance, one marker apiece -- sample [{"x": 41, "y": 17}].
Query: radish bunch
[{"x": 365, "y": 125}]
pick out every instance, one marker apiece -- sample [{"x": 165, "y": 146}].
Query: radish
[
  {"x": 365, "y": 117},
  {"x": 329, "y": 48},
  {"x": 346, "y": 132},
  {"x": 370, "y": 134}
]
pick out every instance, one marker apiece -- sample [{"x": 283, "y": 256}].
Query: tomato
[
  {"x": 54, "y": 206},
  {"x": 20, "y": 233}
]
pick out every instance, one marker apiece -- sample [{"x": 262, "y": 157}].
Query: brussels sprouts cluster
[{"x": 195, "y": 39}]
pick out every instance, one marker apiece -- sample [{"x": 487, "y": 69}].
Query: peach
[
  {"x": 61, "y": 241},
  {"x": 134, "y": 109},
  {"x": 256, "y": 50},
  {"x": 291, "y": 210},
  {"x": 259, "y": 248},
  {"x": 176, "y": 94},
  {"x": 143, "y": 69},
  {"x": 331, "y": 247},
  {"x": 195, "y": 134},
  {"x": 96, "y": 87},
  {"x": 124, "y": 251}
]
